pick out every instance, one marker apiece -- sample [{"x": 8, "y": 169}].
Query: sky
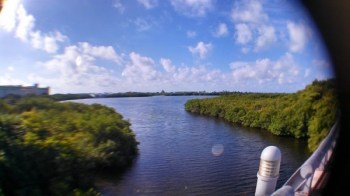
[{"x": 90, "y": 46}]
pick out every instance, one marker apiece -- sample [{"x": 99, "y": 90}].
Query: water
[{"x": 186, "y": 154}]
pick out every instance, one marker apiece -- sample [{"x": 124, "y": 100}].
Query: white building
[{"x": 23, "y": 90}]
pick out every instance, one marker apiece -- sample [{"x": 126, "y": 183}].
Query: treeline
[
  {"x": 62, "y": 97},
  {"x": 53, "y": 148},
  {"x": 309, "y": 113}
]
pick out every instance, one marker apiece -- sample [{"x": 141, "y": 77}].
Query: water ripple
[{"x": 186, "y": 154}]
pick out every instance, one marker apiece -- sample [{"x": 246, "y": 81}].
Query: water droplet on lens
[{"x": 217, "y": 149}]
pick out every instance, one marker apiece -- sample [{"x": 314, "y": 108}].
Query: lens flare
[{"x": 217, "y": 150}]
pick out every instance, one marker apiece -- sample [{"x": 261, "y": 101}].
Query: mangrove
[
  {"x": 55, "y": 148},
  {"x": 307, "y": 114}
]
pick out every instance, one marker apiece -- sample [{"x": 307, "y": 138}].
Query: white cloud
[
  {"x": 196, "y": 74},
  {"x": 250, "y": 11},
  {"x": 191, "y": 34},
  {"x": 142, "y": 71},
  {"x": 221, "y": 30},
  {"x": 192, "y": 8},
  {"x": 104, "y": 52},
  {"x": 267, "y": 36},
  {"x": 8, "y": 15},
  {"x": 167, "y": 65},
  {"x": 74, "y": 61},
  {"x": 243, "y": 33},
  {"x": 16, "y": 20},
  {"x": 119, "y": 6},
  {"x": 10, "y": 68},
  {"x": 202, "y": 49},
  {"x": 149, "y": 4},
  {"x": 25, "y": 24},
  {"x": 48, "y": 42},
  {"x": 282, "y": 71},
  {"x": 252, "y": 25},
  {"x": 140, "y": 68},
  {"x": 77, "y": 69},
  {"x": 297, "y": 35},
  {"x": 181, "y": 76}
]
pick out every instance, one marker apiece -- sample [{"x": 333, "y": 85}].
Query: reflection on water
[{"x": 186, "y": 154}]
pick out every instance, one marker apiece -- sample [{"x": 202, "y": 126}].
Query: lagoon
[{"x": 187, "y": 154}]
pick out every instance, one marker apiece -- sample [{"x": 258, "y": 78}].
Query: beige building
[{"x": 23, "y": 90}]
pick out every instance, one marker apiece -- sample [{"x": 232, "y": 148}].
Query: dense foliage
[
  {"x": 53, "y": 148},
  {"x": 61, "y": 97},
  {"x": 309, "y": 113}
]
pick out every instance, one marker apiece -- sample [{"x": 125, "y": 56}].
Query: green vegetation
[
  {"x": 309, "y": 113},
  {"x": 53, "y": 148},
  {"x": 61, "y": 97}
]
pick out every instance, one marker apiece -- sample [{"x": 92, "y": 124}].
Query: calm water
[{"x": 186, "y": 154}]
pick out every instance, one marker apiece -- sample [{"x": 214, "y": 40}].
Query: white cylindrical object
[
  {"x": 268, "y": 173},
  {"x": 284, "y": 191}
]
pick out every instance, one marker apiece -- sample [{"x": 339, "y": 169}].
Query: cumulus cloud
[
  {"x": 103, "y": 52},
  {"x": 140, "y": 68},
  {"x": 148, "y": 4},
  {"x": 202, "y": 49},
  {"x": 252, "y": 25},
  {"x": 266, "y": 37},
  {"x": 25, "y": 24},
  {"x": 167, "y": 65},
  {"x": 182, "y": 75},
  {"x": 15, "y": 19},
  {"x": 243, "y": 33},
  {"x": 221, "y": 30},
  {"x": 282, "y": 71},
  {"x": 48, "y": 42},
  {"x": 143, "y": 72},
  {"x": 77, "y": 68},
  {"x": 250, "y": 11},
  {"x": 297, "y": 35},
  {"x": 192, "y": 8},
  {"x": 197, "y": 74}
]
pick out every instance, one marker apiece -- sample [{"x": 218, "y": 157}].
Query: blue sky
[{"x": 86, "y": 46}]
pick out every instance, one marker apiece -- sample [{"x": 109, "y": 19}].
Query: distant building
[{"x": 23, "y": 90}]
